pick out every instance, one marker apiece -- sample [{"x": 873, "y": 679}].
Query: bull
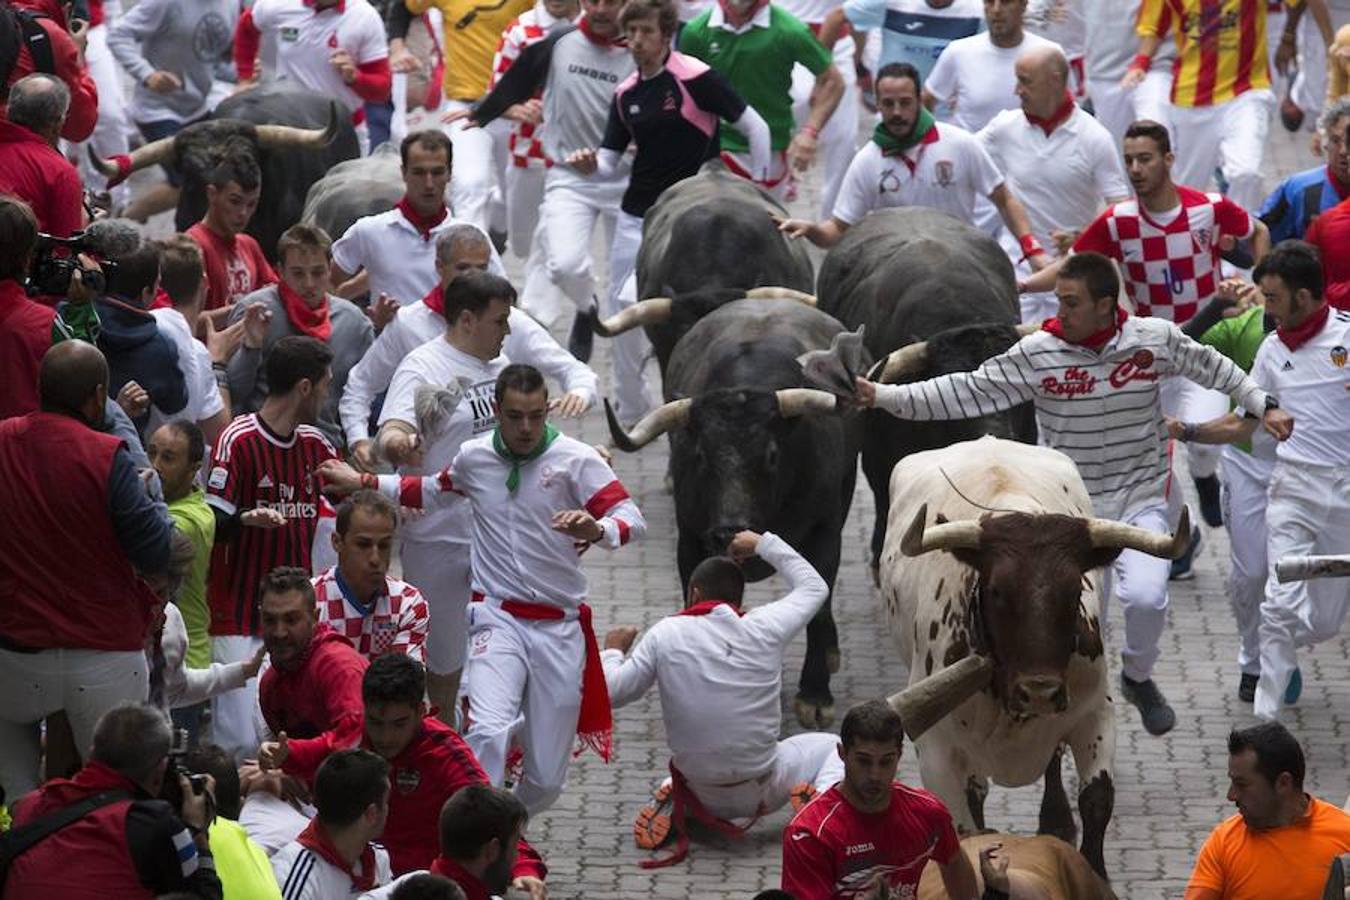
[
  {"x": 706, "y": 242},
  {"x": 1040, "y": 867},
  {"x": 1017, "y": 586},
  {"x": 912, "y": 275},
  {"x": 354, "y": 189},
  {"x": 752, "y": 448},
  {"x": 296, "y": 136}
]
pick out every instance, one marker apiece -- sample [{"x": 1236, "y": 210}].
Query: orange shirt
[
  {"x": 1291, "y": 863},
  {"x": 1221, "y": 46}
]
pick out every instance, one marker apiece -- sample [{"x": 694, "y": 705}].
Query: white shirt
[
  {"x": 194, "y": 361},
  {"x": 975, "y": 79},
  {"x": 1312, "y": 384},
  {"x": 529, "y": 343},
  {"x": 398, "y": 260},
  {"x": 913, "y": 31},
  {"x": 306, "y": 40},
  {"x": 303, "y": 875},
  {"x": 720, "y": 674},
  {"x": 1067, "y": 195},
  {"x": 438, "y": 363},
  {"x": 1112, "y": 42},
  {"x": 947, "y": 175},
  {"x": 184, "y": 686}
]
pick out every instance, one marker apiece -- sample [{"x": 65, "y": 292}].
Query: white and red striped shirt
[
  {"x": 1171, "y": 268},
  {"x": 525, "y": 144},
  {"x": 396, "y": 622}
]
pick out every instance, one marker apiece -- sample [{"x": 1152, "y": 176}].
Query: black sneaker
[
  {"x": 1182, "y": 568},
  {"x": 1247, "y": 687},
  {"x": 1211, "y": 508},
  {"x": 1156, "y": 715},
  {"x": 582, "y": 340},
  {"x": 1291, "y": 115}
]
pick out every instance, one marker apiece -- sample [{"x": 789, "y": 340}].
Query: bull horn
[
  {"x": 155, "y": 153},
  {"x": 780, "y": 293},
  {"x": 923, "y": 705},
  {"x": 908, "y": 360},
  {"x": 291, "y": 136},
  {"x": 666, "y": 417},
  {"x": 793, "y": 402},
  {"x": 920, "y": 539},
  {"x": 1107, "y": 533},
  {"x": 652, "y": 311}
]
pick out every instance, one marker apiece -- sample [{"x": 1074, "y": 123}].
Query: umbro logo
[
  {"x": 1288, "y": 366},
  {"x": 265, "y": 482}
]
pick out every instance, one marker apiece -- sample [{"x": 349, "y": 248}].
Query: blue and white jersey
[{"x": 913, "y": 31}]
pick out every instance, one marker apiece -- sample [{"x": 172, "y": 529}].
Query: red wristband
[
  {"x": 1141, "y": 61},
  {"x": 811, "y": 130},
  {"x": 1030, "y": 246},
  {"x": 370, "y": 482}
]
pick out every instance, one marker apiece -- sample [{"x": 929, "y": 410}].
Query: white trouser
[
  {"x": 1140, "y": 583},
  {"x": 471, "y": 177},
  {"x": 573, "y": 206},
  {"x": 524, "y": 189},
  {"x": 1309, "y": 90},
  {"x": 628, "y": 351},
  {"x": 1274, "y": 32},
  {"x": 1308, "y": 513},
  {"x": 780, "y": 179},
  {"x": 110, "y": 132},
  {"x": 1190, "y": 402},
  {"x": 233, "y": 721},
  {"x": 1230, "y": 136},
  {"x": 812, "y": 758},
  {"x": 838, "y": 140},
  {"x": 440, "y": 570},
  {"x": 524, "y": 667},
  {"x": 1245, "y": 482},
  {"x": 84, "y": 683},
  {"x": 500, "y": 131},
  {"x": 539, "y": 296},
  {"x": 1116, "y": 108}
]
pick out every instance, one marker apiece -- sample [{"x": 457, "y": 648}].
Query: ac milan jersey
[
  {"x": 253, "y": 468},
  {"x": 394, "y": 622},
  {"x": 831, "y": 850},
  {"x": 1170, "y": 269}
]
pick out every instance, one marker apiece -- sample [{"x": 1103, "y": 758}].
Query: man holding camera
[
  {"x": 31, "y": 167},
  {"x": 128, "y": 843},
  {"x": 25, "y": 326}
]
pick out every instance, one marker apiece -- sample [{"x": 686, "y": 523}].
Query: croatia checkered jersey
[
  {"x": 397, "y": 623},
  {"x": 530, "y": 27},
  {"x": 1171, "y": 268}
]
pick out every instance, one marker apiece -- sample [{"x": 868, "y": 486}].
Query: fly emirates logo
[{"x": 289, "y": 506}]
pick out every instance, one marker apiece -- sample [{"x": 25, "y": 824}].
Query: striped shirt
[
  {"x": 1221, "y": 46},
  {"x": 1099, "y": 409},
  {"x": 253, "y": 468},
  {"x": 525, "y": 144},
  {"x": 396, "y": 622},
  {"x": 303, "y": 875}
]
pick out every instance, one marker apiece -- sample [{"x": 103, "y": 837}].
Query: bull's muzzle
[{"x": 1038, "y": 695}]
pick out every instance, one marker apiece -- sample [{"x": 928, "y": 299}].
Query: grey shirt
[
  {"x": 352, "y": 334},
  {"x": 185, "y": 37}
]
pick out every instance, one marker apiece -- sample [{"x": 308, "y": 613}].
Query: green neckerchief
[
  {"x": 893, "y": 146},
  {"x": 516, "y": 461},
  {"x": 76, "y": 320}
]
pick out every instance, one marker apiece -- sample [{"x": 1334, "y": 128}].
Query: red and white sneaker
[{"x": 801, "y": 794}]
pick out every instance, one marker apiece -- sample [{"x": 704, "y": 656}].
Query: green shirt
[
  {"x": 195, "y": 520},
  {"x": 758, "y": 62},
  {"x": 1238, "y": 339}
]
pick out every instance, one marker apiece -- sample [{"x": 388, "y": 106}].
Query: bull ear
[{"x": 1088, "y": 637}]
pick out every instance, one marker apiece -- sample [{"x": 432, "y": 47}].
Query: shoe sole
[
  {"x": 652, "y": 827},
  {"x": 801, "y": 795}
]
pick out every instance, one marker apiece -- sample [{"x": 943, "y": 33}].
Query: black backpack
[
  {"x": 17, "y": 841},
  {"x": 19, "y": 28}
]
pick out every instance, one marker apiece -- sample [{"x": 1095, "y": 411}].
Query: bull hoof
[
  {"x": 832, "y": 660},
  {"x": 816, "y": 716}
]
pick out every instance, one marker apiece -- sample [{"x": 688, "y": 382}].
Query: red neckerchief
[
  {"x": 1342, "y": 190},
  {"x": 930, "y": 137},
  {"x": 315, "y": 323},
  {"x": 472, "y": 885},
  {"x": 1296, "y": 337},
  {"x": 703, "y": 607},
  {"x": 1094, "y": 341},
  {"x": 1057, "y": 118},
  {"x": 316, "y": 839},
  {"x": 435, "y": 300},
  {"x": 584, "y": 25},
  {"x": 416, "y": 219}
]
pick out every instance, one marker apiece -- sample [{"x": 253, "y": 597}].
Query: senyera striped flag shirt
[{"x": 1221, "y": 46}]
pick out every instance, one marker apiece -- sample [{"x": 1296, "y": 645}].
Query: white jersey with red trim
[
  {"x": 395, "y": 623},
  {"x": 516, "y": 553},
  {"x": 307, "y": 39}
]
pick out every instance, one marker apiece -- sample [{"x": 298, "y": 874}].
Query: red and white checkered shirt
[
  {"x": 1169, "y": 269},
  {"x": 397, "y": 624},
  {"x": 530, "y": 27}
]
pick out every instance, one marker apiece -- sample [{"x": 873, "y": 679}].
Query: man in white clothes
[
  {"x": 1065, "y": 23},
  {"x": 719, "y": 669},
  {"x": 911, "y": 160},
  {"x": 1060, "y": 199},
  {"x": 460, "y": 248},
  {"x": 539, "y": 500},
  {"x": 912, "y": 31},
  {"x": 1094, "y": 374},
  {"x": 1305, "y": 365},
  {"x": 1111, "y": 45}
]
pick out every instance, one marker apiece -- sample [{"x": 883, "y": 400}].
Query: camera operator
[
  {"x": 31, "y": 166},
  {"x": 134, "y": 845}
]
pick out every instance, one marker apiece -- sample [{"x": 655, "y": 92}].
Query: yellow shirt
[
  {"x": 469, "y": 40},
  {"x": 1289, "y": 863},
  {"x": 243, "y": 868}
]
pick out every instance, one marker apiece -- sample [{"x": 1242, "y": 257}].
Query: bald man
[
  {"x": 77, "y": 532},
  {"x": 1061, "y": 199}
]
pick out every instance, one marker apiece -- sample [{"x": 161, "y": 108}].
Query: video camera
[
  {"x": 172, "y": 792},
  {"x": 56, "y": 260}
]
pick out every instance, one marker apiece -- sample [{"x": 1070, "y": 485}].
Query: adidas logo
[
  {"x": 1288, "y": 366},
  {"x": 265, "y": 482}
]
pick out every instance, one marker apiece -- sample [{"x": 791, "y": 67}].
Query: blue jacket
[{"x": 1299, "y": 199}]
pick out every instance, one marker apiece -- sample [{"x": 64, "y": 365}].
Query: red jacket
[
  {"x": 25, "y": 335},
  {"x": 32, "y": 170},
  {"x": 70, "y": 68},
  {"x": 1330, "y": 234},
  {"x": 322, "y": 694},
  {"x": 429, "y": 771}
]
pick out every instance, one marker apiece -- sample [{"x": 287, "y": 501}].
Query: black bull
[
  {"x": 915, "y": 275},
  {"x": 745, "y": 456}
]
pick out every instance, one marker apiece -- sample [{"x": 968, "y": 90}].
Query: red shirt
[
  {"x": 69, "y": 65},
  {"x": 32, "y": 170},
  {"x": 25, "y": 335},
  {"x": 1330, "y": 234},
  {"x": 830, "y": 850},
  {"x": 322, "y": 694},
  {"x": 235, "y": 266}
]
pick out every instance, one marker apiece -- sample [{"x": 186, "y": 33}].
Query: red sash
[{"x": 686, "y": 804}]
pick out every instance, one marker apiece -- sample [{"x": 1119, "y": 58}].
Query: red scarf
[
  {"x": 471, "y": 884},
  {"x": 316, "y": 839},
  {"x": 585, "y": 25},
  {"x": 314, "y": 323},
  {"x": 1299, "y": 335},
  {"x": 418, "y": 221},
  {"x": 703, "y": 607},
  {"x": 1057, "y": 118},
  {"x": 685, "y": 805},
  {"x": 1094, "y": 341},
  {"x": 435, "y": 300},
  {"x": 1342, "y": 190}
]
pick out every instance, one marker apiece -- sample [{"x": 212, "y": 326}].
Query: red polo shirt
[
  {"x": 1330, "y": 234},
  {"x": 32, "y": 170},
  {"x": 25, "y": 335}
]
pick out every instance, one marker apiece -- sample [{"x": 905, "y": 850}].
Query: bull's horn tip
[
  {"x": 911, "y": 544},
  {"x": 1181, "y": 540},
  {"x": 618, "y": 436}
]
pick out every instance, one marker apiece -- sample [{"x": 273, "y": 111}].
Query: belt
[{"x": 738, "y": 169}]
